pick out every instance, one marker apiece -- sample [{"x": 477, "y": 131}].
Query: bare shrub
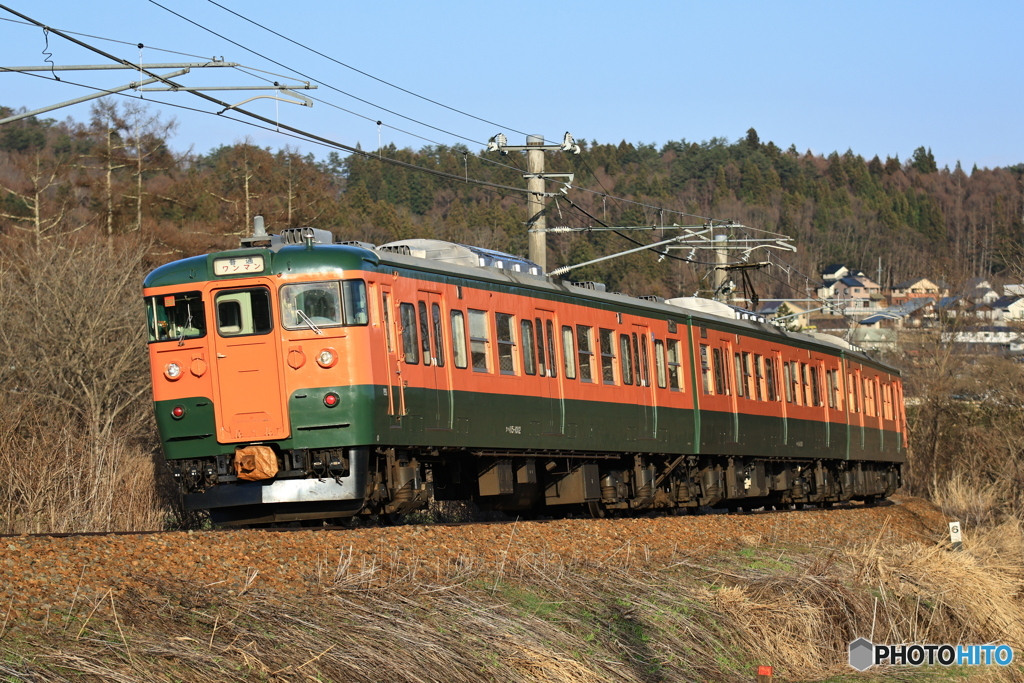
[{"x": 77, "y": 450}]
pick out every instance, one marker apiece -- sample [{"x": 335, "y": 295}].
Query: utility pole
[{"x": 535, "y": 177}]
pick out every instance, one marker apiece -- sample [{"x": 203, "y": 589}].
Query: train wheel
[{"x": 597, "y": 511}]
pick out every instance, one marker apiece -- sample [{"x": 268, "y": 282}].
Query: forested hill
[{"x": 116, "y": 173}]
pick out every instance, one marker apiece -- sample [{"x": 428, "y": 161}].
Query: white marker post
[{"x": 955, "y": 536}]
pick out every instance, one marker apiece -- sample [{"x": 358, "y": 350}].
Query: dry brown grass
[{"x": 549, "y": 618}]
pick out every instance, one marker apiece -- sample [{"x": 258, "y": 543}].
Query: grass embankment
[{"x": 541, "y": 618}]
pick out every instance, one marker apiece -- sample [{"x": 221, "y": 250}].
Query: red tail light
[
  {"x": 178, "y": 412},
  {"x": 331, "y": 400}
]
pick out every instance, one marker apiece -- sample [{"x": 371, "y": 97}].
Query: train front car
[{"x": 262, "y": 380}]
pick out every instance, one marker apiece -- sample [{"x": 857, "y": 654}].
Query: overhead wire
[{"x": 359, "y": 71}]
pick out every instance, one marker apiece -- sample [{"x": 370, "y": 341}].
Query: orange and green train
[{"x": 297, "y": 379}]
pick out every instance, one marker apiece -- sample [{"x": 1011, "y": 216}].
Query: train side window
[
  {"x": 410, "y": 344},
  {"x": 242, "y": 312},
  {"x": 435, "y": 312},
  {"x": 478, "y": 339},
  {"x": 721, "y": 359},
  {"x": 504, "y": 327},
  {"x": 645, "y": 360},
  {"x": 625, "y": 359},
  {"x": 529, "y": 359},
  {"x": 659, "y": 363},
  {"x": 552, "y": 356},
  {"x": 386, "y": 314},
  {"x": 815, "y": 386},
  {"x": 586, "y": 353},
  {"x": 830, "y": 388},
  {"x": 759, "y": 376},
  {"x": 607, "y": 356},
  {"x": 787, "y": 381},
  {"x": 769, "y": 377},
  {"x": 424, "y": 332},
  {"x": 740, "y": 381},
  {"x": 569, "y": 352},
  {"x": 459, "y": 338},
  {"x": 798, "y": 387},
  {"x": 675, "y": 367},
  {"x": 542, "y": 365},
  {"x": 705, "y": 369}
]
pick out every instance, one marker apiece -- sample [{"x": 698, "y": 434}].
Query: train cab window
[
  {"x": 529, "y": 354},
  {"x": 504, "y": 326},
  {"x": 625, "y": 359},
  {"x": 542, "y": 366},
  {"x": 459, "y": 339},
  {"x": 435, "y": 312},
  {"x": 675, "y": 367},
  {"x": 176, "y": 317},
  {"x": 586, "y": 353},
  {"x": 769, "y": 377},
  {"x": 552, "y": 356},
  {"x": 568, "y": 352},
  {"x": 478, "y": 339},
  {"x": 740, "y": 379},
  {"x": 659, "y": 363},
  {"x": 607, "y": 356},
  {"x": 410, "y": 343},
  {"x": 386, "y": 315},
  {"x": 242, "y": 312},
  {"x": 424, "y": 332},
  {"x": 721, "y": 359},
  {"x": 353, "y": 294}
]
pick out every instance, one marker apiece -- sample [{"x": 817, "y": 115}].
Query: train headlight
[
  {"x": 172, "y": 371},
  {"x": 326, "y": 358},
  {"x": 331, "y": 399}
]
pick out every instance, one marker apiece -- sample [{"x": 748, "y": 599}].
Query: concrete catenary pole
[{"x": 537, "y": 223}]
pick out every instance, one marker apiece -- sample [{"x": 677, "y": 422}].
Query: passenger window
[
  {"x": 720, "y": 359},
  {"x": 435, "y": 311},
  {"x": 625, "y": 359},
  {"x": 424, "y": 332},
  {"x": 659, "y": 362},
  {"x": 542, "y": 366},
  {"x": 705, "y": 368},
  {"x": 586, "y": 353},
  {"x": 552, "y": 356},
  {"x": 607, "y": 357},
  {"x": 529, "y": 357},
  {"x": 243, "y": 312},
  {"x": 569, "y": 352},
  {"x": 459, "y": 339},
  {"x": 478, "y": 339},
  {"x": 410, "y": 344},
  {"x": 506, "y": 343},
  {"x": 675, "y": 368}
]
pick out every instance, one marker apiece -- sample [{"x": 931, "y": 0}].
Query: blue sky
[{"x": 878, "y": 77}]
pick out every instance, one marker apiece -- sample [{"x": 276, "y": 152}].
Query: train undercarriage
[{"x": 345, "y": 482}]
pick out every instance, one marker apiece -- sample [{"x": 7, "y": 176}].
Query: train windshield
[
  {"x": 314, "y": 305},
  {"x": 177, "y": 317}
]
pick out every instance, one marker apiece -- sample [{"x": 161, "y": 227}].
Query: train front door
[
  {"x": 647, "y": 420},
  {"x": 250, "y": 398}
]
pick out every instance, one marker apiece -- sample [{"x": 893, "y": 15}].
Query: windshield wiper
[{"x": 305, "y": 318}]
